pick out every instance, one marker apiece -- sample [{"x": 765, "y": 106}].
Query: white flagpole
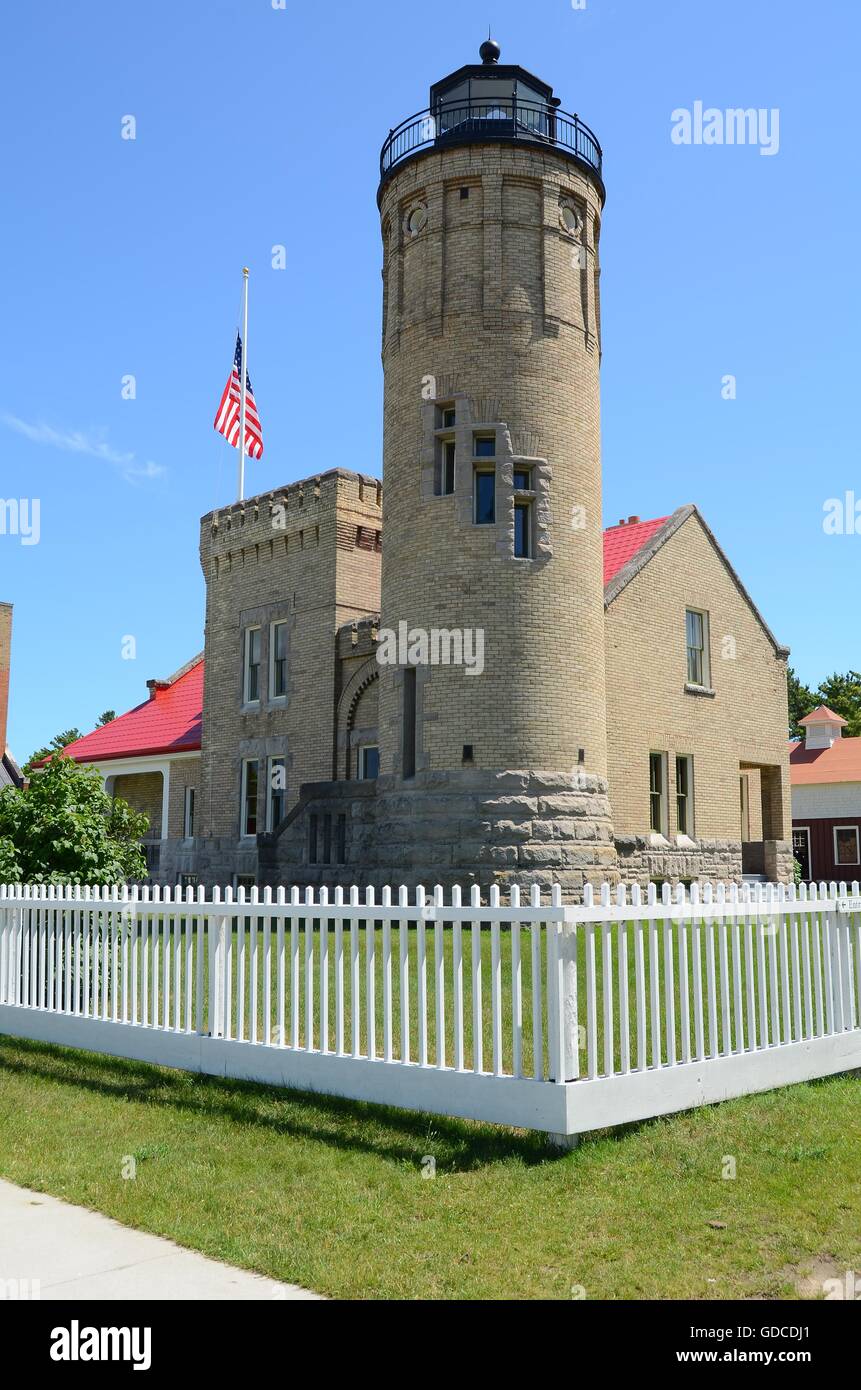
[{"x": 243, "y": 374}]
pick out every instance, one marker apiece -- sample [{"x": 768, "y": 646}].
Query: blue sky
[{"x": 259, "y": 126}]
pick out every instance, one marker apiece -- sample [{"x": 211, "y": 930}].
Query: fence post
[
  {"x": 562, "y": 1021},
  {"x": 570, "y": 1018},
  {"x": 217, "y": 946}
]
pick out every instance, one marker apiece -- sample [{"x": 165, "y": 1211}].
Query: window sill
[
  {"x": 704, "y": 690},
  {"x": 658, "y": 841},
  {"x": 685, "y": 842},
  {"x": 250, "y": 707}
]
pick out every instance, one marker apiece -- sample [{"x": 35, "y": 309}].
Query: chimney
[
  {"x": 633, "y": 521},
  {"x": 5, "y": 657}
]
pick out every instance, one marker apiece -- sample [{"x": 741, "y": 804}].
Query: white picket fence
[{"x": 532, "y": 1014}]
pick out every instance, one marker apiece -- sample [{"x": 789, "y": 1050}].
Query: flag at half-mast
[{"x": 227, "y": 416}]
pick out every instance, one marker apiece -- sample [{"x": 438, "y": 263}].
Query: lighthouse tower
[{"x": 492, "y": 704}]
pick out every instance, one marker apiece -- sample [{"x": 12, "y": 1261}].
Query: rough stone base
[
  {"x": 214, "y": 863},
  {"x": 465, "y": 827},
  {"x": 779, "y": 866},
  {"x": 704, "y": 861}
]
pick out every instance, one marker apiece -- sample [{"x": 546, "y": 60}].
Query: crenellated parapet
[{"x": 346, "y": 504}]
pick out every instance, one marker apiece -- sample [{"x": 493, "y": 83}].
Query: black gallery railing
[{"x": 466, "y": 121}]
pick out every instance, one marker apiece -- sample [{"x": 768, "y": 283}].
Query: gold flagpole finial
[{"x": 245, "y": 270}]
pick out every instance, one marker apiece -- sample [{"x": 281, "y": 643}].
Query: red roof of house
[
  {"x": 839, "y": 763},
  {"x": 822, "y": 715},
  {"x": 168, "y": 722},
  {"x": 622, "y": 543}
]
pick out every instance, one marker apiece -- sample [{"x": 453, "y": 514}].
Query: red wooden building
[{"x": 825, "y": 773}]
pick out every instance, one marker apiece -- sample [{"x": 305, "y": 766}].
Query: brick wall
[
  {"x": 308, "y": 555},
  {"x": 744, "y": 720},
  {"x": 492, "y": 302}
]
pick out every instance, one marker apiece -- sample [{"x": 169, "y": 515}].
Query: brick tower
[{"x": 490, "y": 206}]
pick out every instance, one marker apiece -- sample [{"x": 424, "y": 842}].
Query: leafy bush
[{"x": 64, "y": 828}]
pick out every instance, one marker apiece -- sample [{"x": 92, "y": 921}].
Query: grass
[{"x": 329, "y": 1194}]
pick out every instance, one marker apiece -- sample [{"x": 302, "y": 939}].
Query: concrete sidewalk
[{"x": 78, "y": 1254}]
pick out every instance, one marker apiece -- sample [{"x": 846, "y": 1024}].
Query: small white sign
[{"x": 848, "y": 905}]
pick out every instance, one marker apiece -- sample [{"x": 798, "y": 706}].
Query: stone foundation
[
  {"x": 704, "y": 861},
  {"x": 465, "y": 827}
]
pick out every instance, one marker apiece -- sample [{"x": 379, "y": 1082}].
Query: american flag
[{"x": 227, "y": 415}]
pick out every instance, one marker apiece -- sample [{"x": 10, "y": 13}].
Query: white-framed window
[
  {"x": 278, "y": 661},
  {"x": 248, "y": 801},
  {"x": 276, "y": 792},
  {"x": 369, "y": 762},
  {"x": 658, "y": 793},
  {"x": 697, "y": 639},
  {"x": 846, "y": 844},
  {"x": 251, "y": 681},
  {"x": 684, "y": 794},
  {"x": 188, "y": 814}
]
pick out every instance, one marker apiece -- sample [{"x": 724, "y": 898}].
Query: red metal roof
[
  {"x": 839, "y": 763},
  {"x": 169, "y": 722},
  {"x": 622, "y": 543}
]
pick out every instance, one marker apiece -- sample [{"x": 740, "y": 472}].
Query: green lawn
[{"x": 330, "y": 1194}]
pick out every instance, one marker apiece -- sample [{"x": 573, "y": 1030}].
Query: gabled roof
[
  {"x": 623, "y": 542},
  {"x": 822, "y": 715},
  {"x": 839, "y": 763},
  {"x": 168, "y": 722},
  {"x": 650, "y": 542}
]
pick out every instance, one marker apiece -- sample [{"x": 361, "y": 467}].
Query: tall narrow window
[
  {"x": 696, "y": 627},
  {"x": 369, "y": 762},
  {"x": 278, "y": 661},
  {"x": 188, "y": 814},
  {"x": 251, "y": 693},
  {"x": 250, "y": 779},
  {"x": 485, "y": 497},
  {"x": 409, "y": 722},
  {"x": 522, "y": 530},
  {"x": 657, "y": 794},
  {"x": 276, "y": 793},
  {"x": 447, "y": 467},
  {"x": 685, "y": 795}
]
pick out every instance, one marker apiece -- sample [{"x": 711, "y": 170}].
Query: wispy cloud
[{"x": 93, "y": 444}]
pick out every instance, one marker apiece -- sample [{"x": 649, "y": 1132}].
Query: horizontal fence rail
[{"x": 524, "y": 1011}]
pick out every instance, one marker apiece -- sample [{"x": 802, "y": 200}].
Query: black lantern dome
[{"x": 492, "y": 101}]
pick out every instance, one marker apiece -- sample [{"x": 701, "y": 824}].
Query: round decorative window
[
  {"x": 417, "y": 219},
  {"x": 570, "y": 219}
]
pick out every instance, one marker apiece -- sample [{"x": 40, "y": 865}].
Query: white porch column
[{"x": 165, "y": 798}]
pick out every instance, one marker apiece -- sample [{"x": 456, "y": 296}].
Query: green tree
[
  {"x": 107, "y": 718},
  {"x": 57, "y": 744},
  {"x": 801, "y": 701},
  {"x": 843, "y": 695},
  {"x": 64, "y": 828}
]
